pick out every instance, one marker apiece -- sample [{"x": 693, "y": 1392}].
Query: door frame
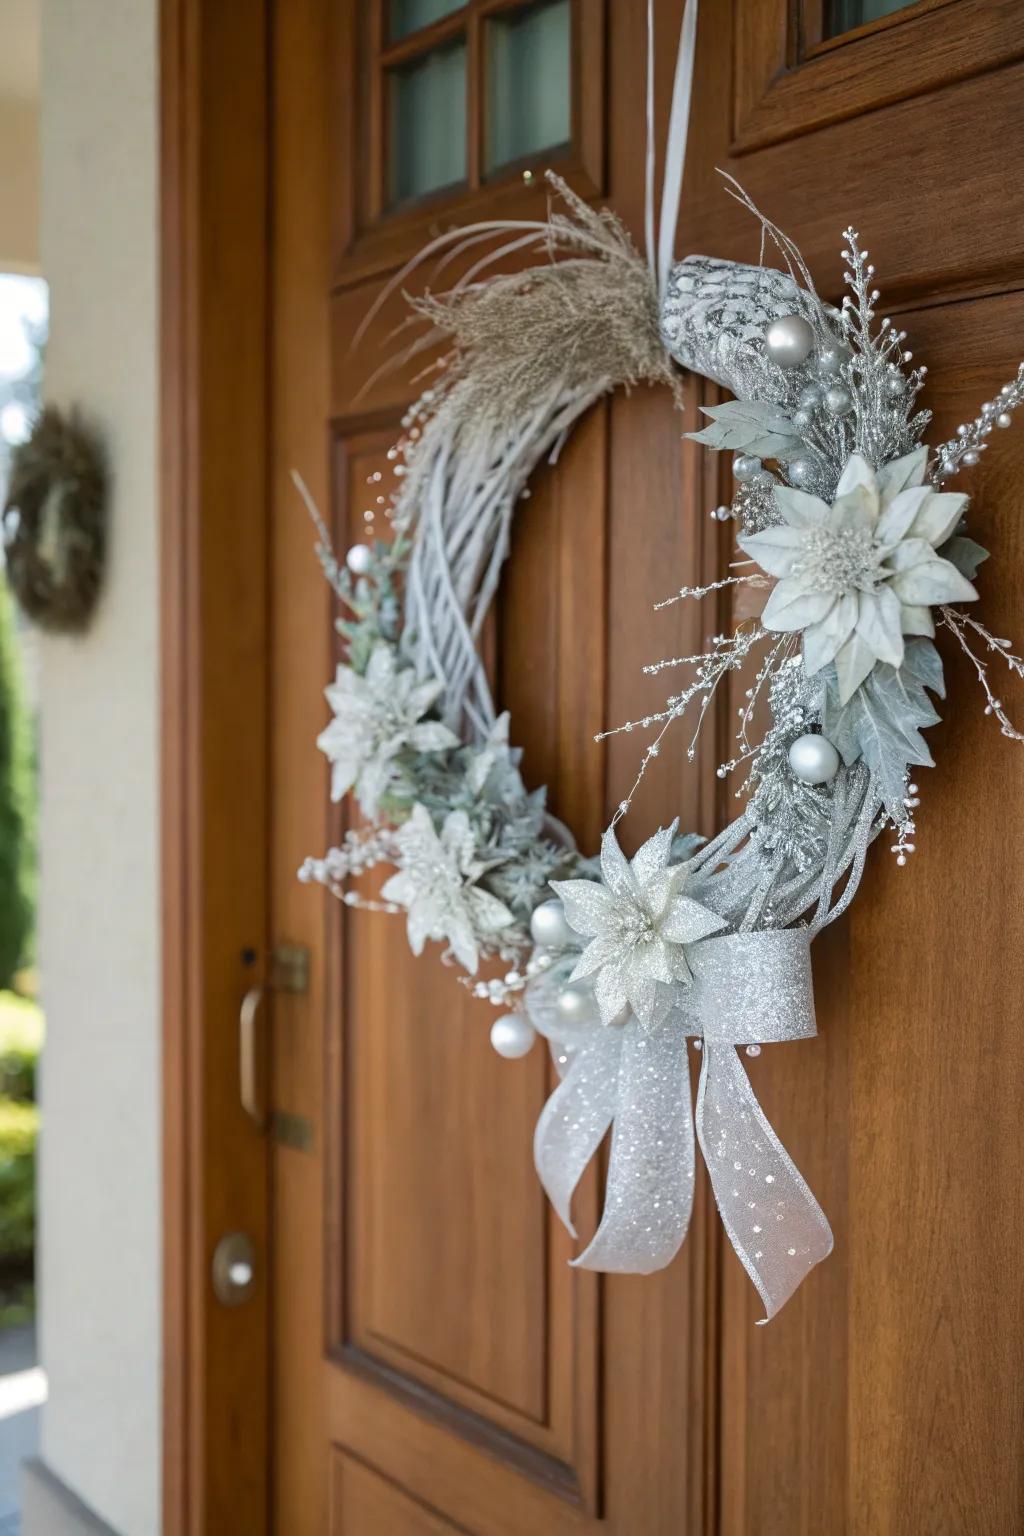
[{"x": 214, "y": 371}]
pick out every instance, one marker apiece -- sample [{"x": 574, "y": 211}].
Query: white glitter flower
[
  {"x": 376, "y": 716},
  {"x": 436, "y": 884},
  {"x": 859, "y": 575},
  {"x": 638, "y": 922}
]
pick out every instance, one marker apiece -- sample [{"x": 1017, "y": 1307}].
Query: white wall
[
  {"x": 19, "y": 186},
  {"x": 100, "y": 1179}
]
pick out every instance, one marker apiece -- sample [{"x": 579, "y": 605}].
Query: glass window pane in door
[
  {"x": 529, "y": 82},
  {"x": 405, "y": 16},
  {"x": 843, "y": 15},
  {"x": 428, "y": 123}
]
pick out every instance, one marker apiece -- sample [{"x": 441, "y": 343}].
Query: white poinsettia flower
[
  {"x": 639, "y": 921},
  {"x": 860, "y": 574},
  {"x": 436, "y": 884},
  {"x": 376, "y": 716}
]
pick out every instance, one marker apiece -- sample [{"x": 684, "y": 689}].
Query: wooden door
[
  {"x": 887, "y": 1395},
  {"x": 436, "y": 1367}
]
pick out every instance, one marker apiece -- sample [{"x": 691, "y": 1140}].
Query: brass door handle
[
  {"x": 248, "y": 1089},
  {"x": 288, "y": 971}
]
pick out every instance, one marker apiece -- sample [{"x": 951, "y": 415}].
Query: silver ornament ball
[
  {"x": 512, "y": 1036},
  {"x": 359, "y": 559},
  {"x": 549, "y": 927},
  {"x": 800, "y": 471},
  {"x": 813, "y": 759},
  {"x": 745, "y": 466},
  {"x": 810, "y": 396},
  {"x": 832, "y": 359},
  {"x": 576, "y": 1003},
  {"x": 838, "y": 399},
  {"x": 803, "y": 418},
  {"x": 789, "y": 341}
]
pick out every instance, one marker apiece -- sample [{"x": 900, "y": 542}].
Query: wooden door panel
[
  {"x": 365, "y": 1504},
  {"x": 938, "y": 1073},
  {"x": 882, "y": 1399},
  {"x": 790, "y": 81},
  {"x": 911, "y": 175},
  {"x": 906, "y": 1410},
  {"x": 437, "y": 1224}
]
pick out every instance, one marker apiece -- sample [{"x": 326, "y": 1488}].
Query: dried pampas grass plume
[{"x": 530, "y": 352}]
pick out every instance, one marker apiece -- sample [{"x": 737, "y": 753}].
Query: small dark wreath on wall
[{"x": 54, "y": 521}]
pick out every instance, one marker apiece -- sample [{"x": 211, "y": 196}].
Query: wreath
[
  {"x": 54, "y": 521},
  {"x": 844, "y": 521}
]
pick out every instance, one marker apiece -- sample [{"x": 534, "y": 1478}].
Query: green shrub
[
  {"x": 19, "y": 1124},
  {"x": 21, "y": 1038},
  {"x": 17, "y": 806}
]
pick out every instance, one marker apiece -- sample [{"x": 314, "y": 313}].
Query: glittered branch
[
  {"x": 965, "y": 449},
  {"x": 728, "y": 654},
  {"x": 959, "y": 624},
  {"x": 753, "y": 580}
]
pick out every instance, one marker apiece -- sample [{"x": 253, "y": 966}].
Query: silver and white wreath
[{"x": 844, "y": 521}]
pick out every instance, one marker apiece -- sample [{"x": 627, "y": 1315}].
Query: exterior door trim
[{"x": 214, "y": 596}]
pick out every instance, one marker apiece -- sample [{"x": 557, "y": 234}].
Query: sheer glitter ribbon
[{"x": 749, "y": 988}]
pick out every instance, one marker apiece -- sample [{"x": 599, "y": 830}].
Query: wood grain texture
[
  {"x": 789, "y": 83},
  {"x": 882, "y": 1399},
  {"x": 300, "y": 663},
  {"x": 927, "y": 180},
  {"x": 214, "y": 785},
  {"x": 363, "y": 1502}
]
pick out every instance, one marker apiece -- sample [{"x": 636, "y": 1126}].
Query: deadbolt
[{"x": 234, "y": 1269}]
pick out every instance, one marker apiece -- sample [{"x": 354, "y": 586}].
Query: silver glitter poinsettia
[
  {"x": 639, "y": 921},
  {"x": 860, "y": 574},
  {"x": 377, "y": 716},
  {"x": 436, "y": 884}
]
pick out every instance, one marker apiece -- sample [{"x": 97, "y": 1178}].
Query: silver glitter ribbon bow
[{"x": 748, "y": 988}]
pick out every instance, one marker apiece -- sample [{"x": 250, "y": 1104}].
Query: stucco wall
[{"x": 100, "y": 1185}]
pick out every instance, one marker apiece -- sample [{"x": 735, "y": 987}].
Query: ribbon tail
[
  {"x": 776, "y": 1226},
  {"x": 675, "y": 148},
  {"x": 649, "y": 1195},
  {"x": 572, "y": 1124}
]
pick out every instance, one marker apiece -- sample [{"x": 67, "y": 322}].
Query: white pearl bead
[
  {"x": 799, "y": 471},
  {"x": 813, "y": 759},
  {"x": 789, "y": 341},
  {"x": 359, "y": 559},
  {"x": 549, "y": 927},
  {"x": 512, "y": 1036},
  {"x": 1004, "y": 419},
  {"x": 576, "y": 1003}
]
